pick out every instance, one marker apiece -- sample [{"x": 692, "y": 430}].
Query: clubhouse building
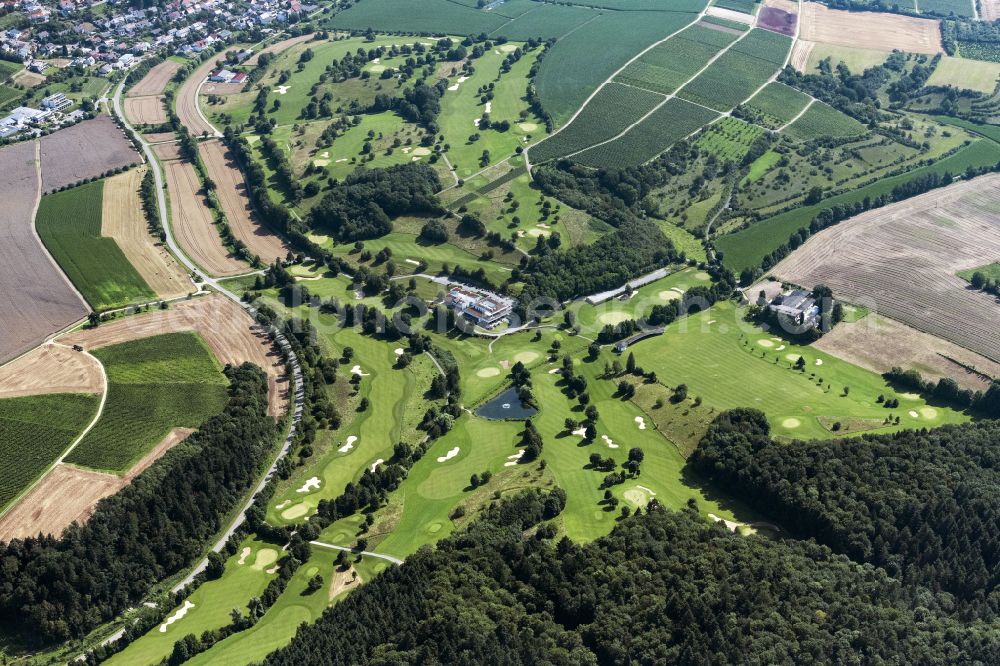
[{"x": 483, "y": 308}]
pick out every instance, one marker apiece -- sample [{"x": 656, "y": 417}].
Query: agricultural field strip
[
  {"x": 773, "y": 78},
  {"x": 79, "y": 438},
  {"x": 812, "y": 100}
]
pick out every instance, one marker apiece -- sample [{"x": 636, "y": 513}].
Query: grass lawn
[
  {"x": 69, "y": 223},
  {"x": 213, "y": 602},
  {"x": 34, "y": 431},
  {"x": 964, "y": 73},
  {"x": 729, "y": 363},
  {"x": 154, "y": 385},
  {"x": 991, "y": 271}
]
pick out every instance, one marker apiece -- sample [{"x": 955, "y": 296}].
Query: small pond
[{"x": 506, "y": 406}]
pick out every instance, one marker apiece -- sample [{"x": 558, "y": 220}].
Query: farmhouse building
[
  {"x": 798, "y": 308},
  {"x": 481, "y": 307}
]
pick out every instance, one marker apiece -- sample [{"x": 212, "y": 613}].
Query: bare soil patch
[
  {"x": 29, "y": 79},
  {"x": 50, "y": 368},
  {"x": 232, "y": 193},
  {"x": 85, "y": 150},
  {"x": 148, "y": 110},
  {"x": 36, "y": 299},
  {"x": 901, "y": 261},
  {"x": 870, "y": 30},
  {"x": 158, "y": 137},
  {"x": 777, "y": 20},
  {"x": 156, "y": 80},
  {"x": 211, "y": 88},
  {"x": 226, "y": 328},
  {"x": 68, "y": 494},
  {"x": 167, "y": 152},
  {"x": 343, "y": 580},
  {"x": 123, "y": 219},
  {"x": 879, "y": 343},
  {"x": 730, "y": 14},
  {"x": 193, "y": 224}
]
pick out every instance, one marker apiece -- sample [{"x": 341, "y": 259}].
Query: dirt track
[
  {"x": 85, "y": 150},
  {"x": 187, "y": 100},
  {"x": 869, "y": 30},
  {"x": 902, "y": 260},
  {"x": 231, "y": 191},
  {"x": 156, "y": 80},
  {"x": 36, "y": 299},
  {"x": 50, "y": 369},
  {"x": 68, "y": 494},
  {"x": 123, "y": 220},
  {"x": 225, "y": 327},
  {"x": 148, "y": 110},
  {"x": 192, "y": 222}
]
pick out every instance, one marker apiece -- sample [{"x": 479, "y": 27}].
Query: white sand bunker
[
  {"x": 321, "y": 163},
  {"x": 283, "y": 504},
  {"x": 765, "y": 343},
  {"x": 528, "y": 127},
  {"x": 399, "y": 351},
  {"x": 342, "y": 159},
  {"x": 555, "y": 371},
  {"x": 181, "y": 612},
  {"x": 791, "y": 423},
  {"x": 639, "y": 495},
  {"x": 453, "y": 87},
  {"x": 610, "y": 442},
  {"x": 781, "y": 347},
  {"x": 526, "y": 356},
  {"x": 376, "y": 60},
  {"x": 488, "y": 372},
  {"x": 477, "y": 121},
  {"x": 356, "y": 370},
  {"x": 489, "y": 107},
  {"x": 406, "y": 150},
  {"x": 349, "y": 444},
  {"x": 914, "y": 414},
  {"x": 283, "y": 89},
  {"x": 668, "y": 295},
  {"x": 819, "y": 361},
  {"x": 730, "y": 524},
  {"x": 412, "y": 261},
  {"x": 641, "y": 422},
  {"x": 244, "y": 554},
  {"x": 310, "y": 484},
  {"x": 448, "y": 456},
  {"x": 582, "y": 431},
  {"x": 512, "y": 460},
  {"x": 377, "y": 463}
]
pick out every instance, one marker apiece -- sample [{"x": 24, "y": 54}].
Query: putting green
[
  {"x": 488, "y": 372},
  {"x": 702, "y": 275},
  {"x": 376, "y": 69},
  {"x": 928, "y": 412},
  {"x": 637, "y": 496},
  {"x": 613, "y": 317},
  {"x": 525, "y": 357},
  {"x": 793, "y": 357},
  {"x": 421, "y": 152},
  {"x": 668, "y": 295},
  {"x": 508, "y": 48},
  {"x": 528, "y": 127},
  {"x": 296, "y": 511},
  {"x": 265, "y": 558},
  {"x": 764, "y": 342},
  {"x": 791, "y": 423}
]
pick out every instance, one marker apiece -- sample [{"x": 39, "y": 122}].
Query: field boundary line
[
  {"x": 812, "y": 100},
  {"x": 48, "y": 470}
]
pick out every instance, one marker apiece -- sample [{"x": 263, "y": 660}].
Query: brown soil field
[
  {"x": 122, "y": 218},
  {"x": 901, "y": 261},
  {"x": 157, "y": 137},
  {"x": 156, "y": 80},
  {"x": 187, "y": 100},
  {"x": 192, "y": 223},
  {"x": 989, "y": 10},
  {"x": 28, "y": 79},
  {"x": 879, "y": 343},
  {"x": 67, "y": 494},
  {"x": 226, "y": 328},
  {"x": 148, "y": 110},
  {"x": 870, "y": 30},
  {"x": 36, "y": 298},
  {"x": 800, "y": 55},
  {"x": 85, "y": 150},
  {"x": 231, "y": 191},
  {"x": 50, "y": 368},
  {"x": 167, "y": 151},
  {"x": 277, "y": 47},
  {"x": 222, "y": 88}
]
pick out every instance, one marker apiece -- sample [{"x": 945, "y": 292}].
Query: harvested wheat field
[
  {"x": 277, "y": 47},
  {"x": 901, "y": 261},
  {"x": 148, "y": 110},
  {"x": 192, "y": 222},
  {"x": 167, "y": 151},
  {"x": 67, "y": 494},
  {"x": 36, "y": 298},
  {"x": 783, "y": 5},
  {"x": 158, "y": 137},
  {"x": 156, "y": 80},
  {"x": 730, "y": 15},
  {"x": 122, "y": 218},
  {"x": 799, "y": 59},
  {"x": 231, "y": 190},
  {"x": 187, "y": 101},
  {"x": 85, "y": 150},
  {"x": 226, "y": 328},
  {"x": 869, "y": 30},
  {"x": 879, "y": 343},
  {"x": 51, "y": 368}
]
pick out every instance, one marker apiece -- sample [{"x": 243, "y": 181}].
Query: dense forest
[
  {"x": 53, "y": 589},
  {"x": 663, "y": 587},
  {"x": 922, "y": 505}
]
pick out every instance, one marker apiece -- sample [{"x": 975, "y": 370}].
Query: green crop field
[
  {"x": 69, "y": 223},
  {"x": 154, "y": 385},
  {"x": 547, "y": 20},
  {"x": 822, "y": 120},
  {"x": 670, "y": 123},
  {"x": 738, "y": 72},
  {"x": 667, "y": 66},
  {"x": 8, "y": 94},
  {"x": 729, "y": 139},
  {"x": 749, "y": 247},
  {"x": 776, "y": 104},
  {"x": 8, "y": 70},
  {"x": 948, "y": 7},
  {"x": 612, "y": 109},
  {"x": 745, "y": 6},
  {"x": 34, "y": 431},
  {"x": 437, "y": 17}
]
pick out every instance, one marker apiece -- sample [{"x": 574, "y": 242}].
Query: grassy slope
[
  {"x": 69, "y": 224},
  {"x": 154, "y": 385}
]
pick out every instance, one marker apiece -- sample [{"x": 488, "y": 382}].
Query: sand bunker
[
  {"x": 310, "y": 484},
  {"x": 555, "y": 371},
  {"x": 356, "y": 370},
  {"x": 582, "y": 431},
  {"x": 641, "y": 422},
  {"x": 181, "y": 612},
  {"x": 791, "y": 423},
  {"x": 790, "y": 357},
  {"x": 780, "y": 348},
  {"x": 639, "y": 495},
  {"x": 244, "y": 554},
  {"x": 819, "y": 361},
  {"x": 489, "y": 107},
  {"x": 914, "y": 414},
  {"x": 610, "y": 442},
  {"x": 377, "y": 463},
  {"x": 283, "y": 89},
  {"x": 730, "y": 524},
  {"x": 349, "y": 444},
  {"x": 488, "y": 372},
  {"x": 512, "y": 460},
  {"x": 448, "y": 456},
  {"x": 283, "y": 504},
  {"x": 399, "y": 351}
]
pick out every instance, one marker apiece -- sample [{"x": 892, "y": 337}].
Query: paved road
[
  {"x": 388, "y": 558},
  {"x": 293, "y": 363}
]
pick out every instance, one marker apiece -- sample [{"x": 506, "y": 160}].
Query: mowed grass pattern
[
  {"x": 34, "y": 431},
  {"x": 154, "y": 385},
  {"x": 69, "y": 223}
]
